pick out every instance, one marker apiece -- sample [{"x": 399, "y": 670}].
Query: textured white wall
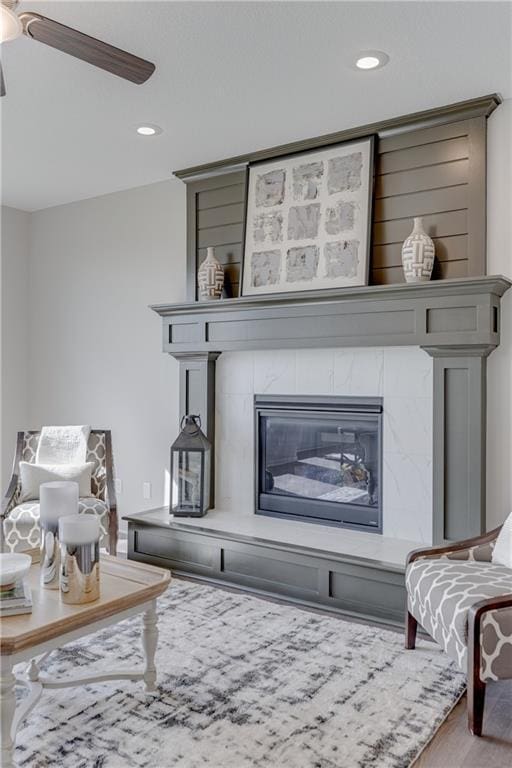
[
  {"x": 14, "y": 333},
  {"x": 401, "y": 375},
  {"x": 499, "y": 261},
  {"x": 95, "y": 347}
]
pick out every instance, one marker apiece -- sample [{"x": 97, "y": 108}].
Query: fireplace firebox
[{"x": 319, "y": 459}]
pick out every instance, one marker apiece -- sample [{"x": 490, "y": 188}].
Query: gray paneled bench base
[{"x": 341, "y": 583}]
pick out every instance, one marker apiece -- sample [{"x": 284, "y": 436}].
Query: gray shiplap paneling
[
  {"x": 452, "y": 248},
  {"x": 431, "y": 201},
  {"x": 226, "y": 254},
  {"x": 422, "y": 156},
  {"x": 219, "y": 222},
  {"x": 420, "y": 179},
  {"x": 436, "y": 172},
  {"x": 447, "y": 270},
  {"x": 229, "y": 233},
  {"x": 224, "y": 195},
  {"x": 437, "y": 225},
  {"x": 224, "y": 214},
  {"x": 215, "y": 215},
  {"x": 427, "y": 135}
]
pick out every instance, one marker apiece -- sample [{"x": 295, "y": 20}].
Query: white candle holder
[
  {"x": 80, "y": 559},
  {"x": 56, "y": 500}
]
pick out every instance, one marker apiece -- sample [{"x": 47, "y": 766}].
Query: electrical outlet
[
  {"x": 118, "y": 485},
  {"x": 146, "y": 490}
]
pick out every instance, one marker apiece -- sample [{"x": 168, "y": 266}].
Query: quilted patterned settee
[
  {"x": 20, "y": 520},
  {"x": 464, "y": 601}
]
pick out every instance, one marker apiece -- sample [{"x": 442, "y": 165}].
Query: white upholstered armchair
[{"x": 20, "y": 520}]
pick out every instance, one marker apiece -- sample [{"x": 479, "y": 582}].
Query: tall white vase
[
  {"x": 210, "y": 277},
  {"x": 418, "y": 254}
]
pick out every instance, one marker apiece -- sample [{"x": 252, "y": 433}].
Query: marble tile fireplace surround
[{"x": 402, "y": 377}]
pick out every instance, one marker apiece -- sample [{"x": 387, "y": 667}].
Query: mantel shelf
[
  {"x": 440, "y": 314},
  {"x": 496, "y": 284}
]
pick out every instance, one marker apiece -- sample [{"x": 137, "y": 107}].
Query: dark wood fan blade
[
  {"x": 86, "y": 48},
  {"x": 2, "y": 81}
]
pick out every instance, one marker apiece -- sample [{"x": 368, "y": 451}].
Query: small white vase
[
  {"x": 418, "y": 254},
  {"x": 210, "y": 277}
]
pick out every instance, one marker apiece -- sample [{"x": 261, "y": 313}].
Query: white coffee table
[{"x": 127, "y": 588}]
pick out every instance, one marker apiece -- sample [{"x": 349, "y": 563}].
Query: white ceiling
[{"x": 231, "y": 78}]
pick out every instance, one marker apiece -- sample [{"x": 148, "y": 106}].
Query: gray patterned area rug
[{"x": 244, "y": 683}]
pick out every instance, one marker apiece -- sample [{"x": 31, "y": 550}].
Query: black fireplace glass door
[{"x": 317, "y": 465}]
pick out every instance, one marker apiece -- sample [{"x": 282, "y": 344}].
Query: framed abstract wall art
[{"x": 308, "y": 220}]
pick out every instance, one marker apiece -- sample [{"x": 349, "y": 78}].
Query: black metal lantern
[{"x": 190, "y": 470}]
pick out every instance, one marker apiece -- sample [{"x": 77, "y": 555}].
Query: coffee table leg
[
  {"x": 149, "y": 644},
  {"x": 7, "y": 710}
]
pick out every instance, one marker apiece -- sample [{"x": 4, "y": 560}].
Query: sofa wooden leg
[
  {"x": 411, "y": 627},
  {"x": 476, "y": 701}
]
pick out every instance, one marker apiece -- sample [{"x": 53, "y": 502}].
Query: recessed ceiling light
[
  {"x": 371, "y": 59},
  {"x": 148, "y": 130}
]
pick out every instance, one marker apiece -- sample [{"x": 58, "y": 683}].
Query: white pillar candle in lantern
[
  {"x": 80, "y": 558},
  {"x": 57, "y": 500}
]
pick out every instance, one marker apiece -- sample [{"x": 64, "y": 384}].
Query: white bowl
[{"x": 13, "y": 567}]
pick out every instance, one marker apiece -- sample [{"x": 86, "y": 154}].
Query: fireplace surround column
[
  {"x": 197, "y": 396},
  {"x": 459, "y": 441}
]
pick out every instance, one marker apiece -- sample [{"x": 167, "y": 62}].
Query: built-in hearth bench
[
  {"x": 353, "y": 572},
  {"x": 430, "y": 164}
]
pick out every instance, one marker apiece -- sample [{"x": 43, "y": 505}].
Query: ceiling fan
[{"x": 69, "y": 40}]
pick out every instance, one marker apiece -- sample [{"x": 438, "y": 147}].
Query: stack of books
[{"x": 16, "y": 600}]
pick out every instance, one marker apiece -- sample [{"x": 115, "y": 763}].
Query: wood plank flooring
[{"x": 454, "y": 747}]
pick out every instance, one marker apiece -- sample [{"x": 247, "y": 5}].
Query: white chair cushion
[
  {"x": 33, "y": 475},
  {"x": 502, "y": 553}
]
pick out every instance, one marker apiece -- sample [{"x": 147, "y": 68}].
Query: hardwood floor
[{"x": 454, "y": 747}]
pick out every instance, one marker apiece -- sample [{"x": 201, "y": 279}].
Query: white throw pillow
[
  {"x": 502, "y": 552},
  {"x": 32, "y": 475}
]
